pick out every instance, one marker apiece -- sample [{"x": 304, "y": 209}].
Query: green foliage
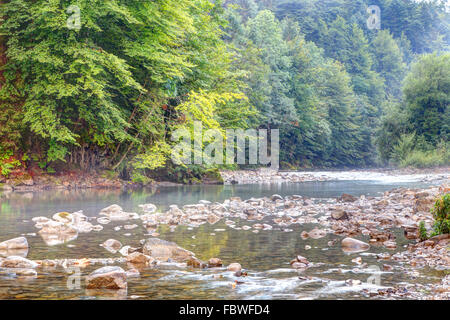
[
  {"x": 423, "y": 234},
  {"x": 109, "y": 95},
  {"x": 423, "y": 159},
  {"x": 415, "y": 132},
  {"x": 388, "y": 62},
  {"x": 8, "y": 163},
  {"x": 427, "y": 97},
  {"x": 404, "y": 147},
  {"x": 441, "y": 215}
]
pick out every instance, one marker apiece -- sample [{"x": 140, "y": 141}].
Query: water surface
[{"x": 265, "y": 255}]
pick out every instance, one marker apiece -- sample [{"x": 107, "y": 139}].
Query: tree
[
  {"x": 107, "y": 93},
  {"x": 388, "y": 62},
  {"x": 427, "y": 97},
  {"x": 266, "y": 34}
]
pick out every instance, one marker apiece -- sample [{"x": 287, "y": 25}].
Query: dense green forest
[{"x": 108, "y": 95}]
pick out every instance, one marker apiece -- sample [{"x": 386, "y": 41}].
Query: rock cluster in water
[{"x": 372, "y": 218}]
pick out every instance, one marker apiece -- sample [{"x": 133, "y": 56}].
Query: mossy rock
[{"x": 212, "y": 176}]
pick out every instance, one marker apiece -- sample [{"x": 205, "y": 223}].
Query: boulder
[
  {"x": 148, "y": 207},
  {"x": 111, "y": 210},
  {"x": 40, "y": 219},
  {"x": 298, "y": 265},
  {"x": 63, "y": 217},
  {"x": 103, "y": 220},
  {"x": 56, "y": 227},
  {"x": 165, "y": 250},
  {"x": 53, "y": 239},
  {"x": 112, "y": 245},
  {"x": 214, "y": 262},
  {"x": 302, "y": 259},
  {"x": 138, "y": 258},
  {"x": 212, "y": 219},
  {"x": 276, "y": 197},
  {"x": 390, "y": 244},
  {"x": 195, "y": 263},
  {"x": 353, "y": 245},
  {"x": 347, "y": 198},
  {"x": 235, "y": 267},
  {"x": 107, "y": 278},
  {"x": 339, "y": 215},
  {"x": 18, "y": 262},
  {"x": 16, "y": 243}
]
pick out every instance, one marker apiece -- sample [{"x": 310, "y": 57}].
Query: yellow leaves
[{"x": 202, "y": 106}]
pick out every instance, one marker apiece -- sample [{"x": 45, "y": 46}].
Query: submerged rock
[
  {"x": 19, "y": 272},
  {"x": 17, "y": 262},
  {"x": 317, "y": 233},
  {"x": 54, "y": 239},
  {"x": 56, "y": 227},
  {"x": 353, "y": 245},
  {"x": 112, "y": 245},
  {"x": 116, "y": 213},
  {"x": 107, "y": 278},
  {"x": 16, "y": 243},
  {"x": 165, "y": 250}
]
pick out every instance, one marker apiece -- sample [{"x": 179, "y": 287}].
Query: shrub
[
  {"x": 422, "y": 231},
  {"x": 441, "y": 215},
  {"x": 422, "y": 159}
]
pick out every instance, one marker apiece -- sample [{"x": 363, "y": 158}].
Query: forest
[{"x": 107, "y": 94}]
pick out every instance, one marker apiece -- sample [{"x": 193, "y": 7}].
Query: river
[{"x": 264, "y": 255}]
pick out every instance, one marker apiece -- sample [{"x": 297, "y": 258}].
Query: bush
[
  {"x": 413, "y": 151},
  {"x": 422, "y": 159},
  {"x": 423, "y": 234},
  {"x": 441, "y": 215}
]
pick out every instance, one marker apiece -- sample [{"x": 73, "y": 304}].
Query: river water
[{"x": 264, "y": 255}]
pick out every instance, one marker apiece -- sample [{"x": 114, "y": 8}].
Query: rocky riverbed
[
  {"x": 366, "y": 228},
  {"x": 385, "y": 175}
]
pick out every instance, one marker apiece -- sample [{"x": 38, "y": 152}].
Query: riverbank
[
  {"x": 71, "y": 181},
  {"x": 382, "y": 174},
  {"x": 106, "y": 180},
  {"x": 365, "y": 229}
]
